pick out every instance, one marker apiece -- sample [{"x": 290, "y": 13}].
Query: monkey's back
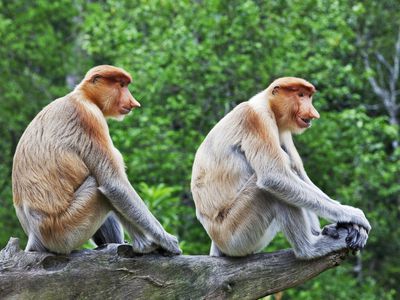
[
  {"x": 46, "y": 167},
  {"x": 220, "y": 167}
]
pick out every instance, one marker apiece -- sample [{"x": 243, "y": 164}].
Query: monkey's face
[
  {"x": 116, "y": 99},
  {"x": 124, "y": 101},
  {"x": 291, "y": 102},
  {"x": 304, "y": 111},
  {"x": 107, "y": 87}
]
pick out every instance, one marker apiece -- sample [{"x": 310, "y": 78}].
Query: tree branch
[
  {"x": 388, "y": 95},
  {"x": 396, "y": 59},
  {"x": 383, "y": 61},
  {"x": 116, "y": 272}
]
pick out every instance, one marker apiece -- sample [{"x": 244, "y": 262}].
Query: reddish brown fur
[
  {"x": 291, "y": 100},
  {"x": 253, "y": 124},
  {"x": 103, "y": 83},
  {"x": 109, "y": 72}
]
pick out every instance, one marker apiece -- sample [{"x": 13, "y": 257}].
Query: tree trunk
[{"x": 115, "y": 272}]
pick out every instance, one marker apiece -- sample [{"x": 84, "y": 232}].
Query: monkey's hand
[
  {"x": 170, "y": 244},
  {"x": 143, "y": 244},
  {"x": 356, "y": 216},
  {"x": 357, "y": 235}
]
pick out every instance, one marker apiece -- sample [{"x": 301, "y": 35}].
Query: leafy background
[{"x": 192, "y": 62}]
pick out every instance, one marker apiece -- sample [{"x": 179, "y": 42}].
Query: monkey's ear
[{"x": 275, "y": 90}]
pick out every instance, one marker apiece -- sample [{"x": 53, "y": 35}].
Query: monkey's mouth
[
  {"x": 124, "y": 110},
  {"x": 304, "y": 122}
]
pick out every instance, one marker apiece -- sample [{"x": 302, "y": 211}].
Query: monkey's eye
[
  {"x": 122, "y": 84},
  {"x": 301, "y": 95}
]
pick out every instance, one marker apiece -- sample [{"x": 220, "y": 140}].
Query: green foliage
[{"x": 191, "y": 62}]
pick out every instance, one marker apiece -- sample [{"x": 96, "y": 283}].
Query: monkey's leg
[
  {"x": 28, "y": 220},
  {"x": 110, "y": 232},
  {"x": 68, "y": 230},
  {"x": 295, "y": 225},
  {"x": 245, "y": 226}
]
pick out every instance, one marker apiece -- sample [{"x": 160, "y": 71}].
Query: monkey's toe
[
  {"x": 331, "y": 231},
  {"x": 357, "y": 236}
]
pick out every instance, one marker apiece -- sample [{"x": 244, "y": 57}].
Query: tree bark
[{"x": 115, "y": 272}]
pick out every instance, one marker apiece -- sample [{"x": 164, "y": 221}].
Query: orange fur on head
[
  {"x": 291, "y": 84},
  {"x": 109, "y": 72},
  {"x": 107, "y": 87},
  {"x": 291, "y": 102}
]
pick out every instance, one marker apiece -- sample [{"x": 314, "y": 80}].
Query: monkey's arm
[
  {"x": 296, "y": 162},
  {"x": 274, "y": 174},
  {"x": 106, "y": 165},
  {"x": 297, "y": 166}
]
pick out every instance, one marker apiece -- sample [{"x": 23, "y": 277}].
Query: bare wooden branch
[{"x": 115, "y": 272}]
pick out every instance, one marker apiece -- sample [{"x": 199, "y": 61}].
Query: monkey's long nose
[
  {"x": 134, "y": 103},
  {"x": 314, "y": 114}
]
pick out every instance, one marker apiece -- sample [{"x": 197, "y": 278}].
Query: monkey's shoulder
[
  {"x": 246, "y": 118},
  {"x": 56, "y": 112}
]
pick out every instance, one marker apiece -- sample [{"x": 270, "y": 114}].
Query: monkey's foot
[
  {"x": 356, "y": 235},
  {"x": 331, "y": 230}
]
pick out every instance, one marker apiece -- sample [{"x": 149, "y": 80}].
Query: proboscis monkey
[
  {"x": 248, "y": 180},
  {"x": 69, "y": 181}
]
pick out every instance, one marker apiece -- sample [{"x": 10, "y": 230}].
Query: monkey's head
[
  {"x": 290, "y": 99},
  {"x": 107, "y": 87}
]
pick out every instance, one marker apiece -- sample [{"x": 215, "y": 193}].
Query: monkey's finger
[
  {"x": 172, "y": 251},
  {"x": 170, "y": 244},
  {"x": 353, "y": 231},
  {"x": 351, "y": 235},
  {"x": 354, "y": 244},
  {"x": 362, "y": 239},
  {"x": 348, "y": 226},
  {"x": 366, "y": 230}
]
